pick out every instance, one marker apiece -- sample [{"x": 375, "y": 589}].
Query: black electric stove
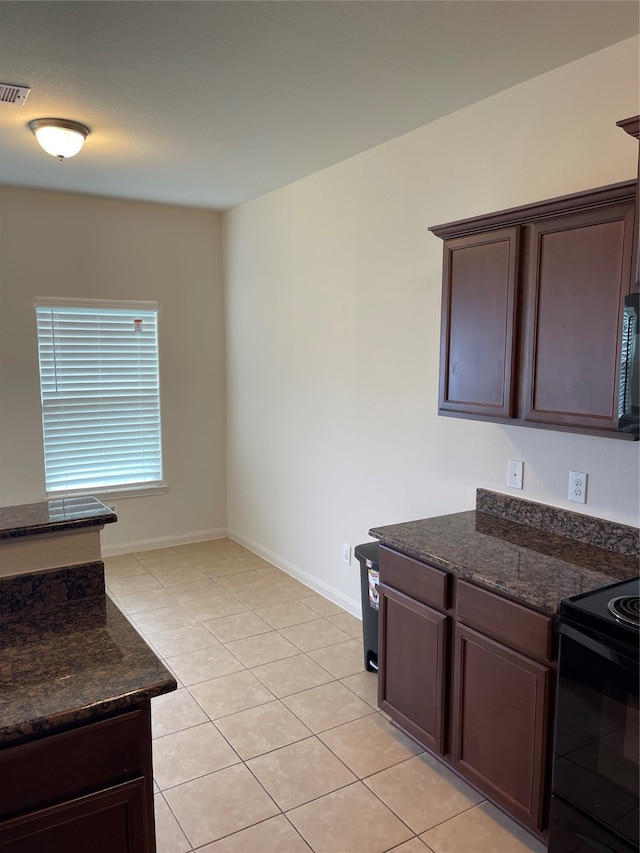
[
  {"x": 596, "y": 767},
  {"x": 612, "y": 612}
]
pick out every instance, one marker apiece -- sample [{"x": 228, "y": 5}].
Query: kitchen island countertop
[
  {"x": 53, "y": 516},
  {"x": 68, "y": 655},
  {"x": 81, "y": 663}
]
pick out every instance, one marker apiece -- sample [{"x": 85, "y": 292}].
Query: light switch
[{"x": 514, "y": 473}]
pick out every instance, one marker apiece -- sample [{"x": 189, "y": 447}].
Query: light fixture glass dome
[{"x": 59, "y": 137}]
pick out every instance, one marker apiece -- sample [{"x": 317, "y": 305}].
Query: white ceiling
[{"x": 214, "y": 103}]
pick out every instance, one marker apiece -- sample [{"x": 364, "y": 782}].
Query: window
[{"x": 100, "y": 394}]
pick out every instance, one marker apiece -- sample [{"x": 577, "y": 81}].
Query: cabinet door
[
  {"x": 500, "y": 713},
  {"x": 109, "y": 821},
  {"x": 412, "y": 659},
  {"x": 578, "y": 272},
  {"x": 478, "y": 324},
  {"x": 632, "y": 127}
]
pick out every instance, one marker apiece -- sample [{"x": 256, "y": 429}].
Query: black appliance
[
  {"x": 629, "y": 387},
  {"x": 596, "y": 765}
]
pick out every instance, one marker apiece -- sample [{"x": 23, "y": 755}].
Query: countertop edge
[
  {"x": 55, "y": 515},
  {"x": 57, "y": 526},
  {"x": 50, "y": 724}
]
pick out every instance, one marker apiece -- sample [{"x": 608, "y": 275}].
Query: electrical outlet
[
  {"x": 346, "y": 553},
  {"x": 578, "y": 487},
  {"x": 514, "y": 473}
]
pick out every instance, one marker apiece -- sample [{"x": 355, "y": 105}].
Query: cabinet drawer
[
  {"x": 415, "y": 579},
  {"x": 513, "y": 624},
  {"x": 61, "y": 765},
  {"x": 110, "y": 821}
]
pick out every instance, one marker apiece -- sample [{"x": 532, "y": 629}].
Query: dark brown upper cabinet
[
  {"x": 478, "y": 323},
  {"x": 531, "y": 306},
  {"x": 632, "y": 127},
  {"x": 576, "y": 277}
]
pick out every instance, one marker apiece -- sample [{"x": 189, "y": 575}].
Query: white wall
[
  {"x": 63, "y": 245},
  {"x": 333, "y": 322}
]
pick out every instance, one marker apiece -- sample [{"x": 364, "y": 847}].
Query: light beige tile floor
[{"x": 273, "y": 742}]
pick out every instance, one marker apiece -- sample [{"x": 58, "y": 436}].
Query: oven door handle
[{"x": 599, "y": 646}]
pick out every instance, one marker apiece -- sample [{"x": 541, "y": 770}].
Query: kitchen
[{"x": 330, "y": 326}]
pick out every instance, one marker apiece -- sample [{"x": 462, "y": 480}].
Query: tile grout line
[
  {"x": 313, "y": 735},
  {"x": 305, "y": 653}
]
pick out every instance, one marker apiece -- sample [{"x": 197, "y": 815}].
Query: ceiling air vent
[{"x": 10, "y": 94}]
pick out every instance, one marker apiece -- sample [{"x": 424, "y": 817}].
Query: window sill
[{"x": 106, "y": 495}]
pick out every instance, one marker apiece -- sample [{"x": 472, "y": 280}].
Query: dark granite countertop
[
  {"x": 52, "y": 516},
  {"x": 517, "y": 558},
  {"x": 68, "y": 655}
]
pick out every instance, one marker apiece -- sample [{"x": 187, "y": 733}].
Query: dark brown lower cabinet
[
  {"x": 470, "y": 675},
  {"x": 88, "y": 789},
  {"x": 411, "y": 684},
  {"x": 500, "y": 701},
  {"x": 109, "y": 821}
]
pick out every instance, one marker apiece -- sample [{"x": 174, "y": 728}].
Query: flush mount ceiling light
[{"x": 58, "y": 136}]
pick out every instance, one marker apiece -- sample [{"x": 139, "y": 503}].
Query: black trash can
[{"x": 368, "y": 556}]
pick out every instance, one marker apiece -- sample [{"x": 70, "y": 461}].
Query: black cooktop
[
  {"x": 610, "y": 611},
  {"x": 626, "y": 608}
]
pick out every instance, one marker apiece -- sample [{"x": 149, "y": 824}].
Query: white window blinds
[{"x": 100, "y": 394}]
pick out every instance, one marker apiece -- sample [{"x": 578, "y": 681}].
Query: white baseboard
[
  {"x": 163, "y": 542},
  {"x": 349, "y": 604}
]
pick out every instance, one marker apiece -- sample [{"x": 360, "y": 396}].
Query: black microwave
[{"x": 629, "y": 387}]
